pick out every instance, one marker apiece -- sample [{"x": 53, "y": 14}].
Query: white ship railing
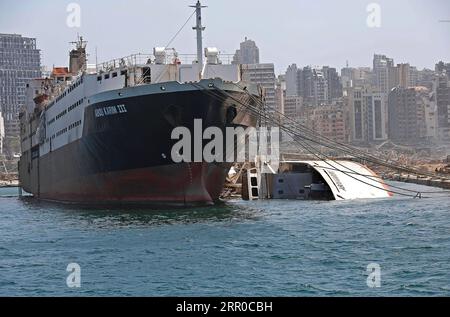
[
  {"x": 127, "y": 61},
  {"x": 143, "y": 59}
]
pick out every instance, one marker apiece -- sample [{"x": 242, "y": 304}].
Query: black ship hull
[{"x": 125, "y": 157}]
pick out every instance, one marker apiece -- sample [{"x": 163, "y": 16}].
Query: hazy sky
[{"x": 316, "y": 32}]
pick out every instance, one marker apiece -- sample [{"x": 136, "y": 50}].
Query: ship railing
[
  {"x": 191, "y": 58},
  {"x": 127, "y": 61},
  {"x": 143, "y": 59}
]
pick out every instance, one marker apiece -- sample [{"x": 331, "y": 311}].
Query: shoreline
[
  {"x": 7, "y": 184},
  {"x": 427, "y": 181}
]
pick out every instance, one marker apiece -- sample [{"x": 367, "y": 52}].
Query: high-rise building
[
  {"x": 328, "y": 120},
  {"x": 382, "y": 69},
  {"x": 426, "y": 78},
  {"x": 393, "y": 78},
  {"x": 403, "y": 71},
  {"x": 413, "y": 77},
  {"x": 428, "y": 99},
  {"x": 367, "y": 114},
  {"x": 293, "y": 106},
  {"x": 306, "y": 84},
  {"x": 363, "y": 76},
  {"x": 347, "y": 77},
  {"x": 316, "y": 85},
  {"x": 407, "y": 114},
  {"x": 351, "y": 77},
  {"x": 248, "y": 53},
  {"x": 19, "y": 62},
  {"x": 387, "y": 76},
  {"x": 333, "y": 82},
  {"x": 441, "y": 88},
  {"x": 263, "y": 75},
  {"x": 292, "y": 79},
  {"x": 258, "y": 73},
  {"x": 300, "y": 83},
  {"x": 320, "y": 88},
  {"x": 442, "y": 67},
  {"x": 2, "y": 132},
  {"x": 403, "y": 75},
  {"x": 280, "y": 93}
]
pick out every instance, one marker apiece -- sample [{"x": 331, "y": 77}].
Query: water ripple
[{"x": 262, "y": 248}]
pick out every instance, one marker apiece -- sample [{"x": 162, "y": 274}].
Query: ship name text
[{"x": 110, "y": 111}]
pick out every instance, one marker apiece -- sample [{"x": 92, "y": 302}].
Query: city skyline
[{"x": 400, "y": 36}]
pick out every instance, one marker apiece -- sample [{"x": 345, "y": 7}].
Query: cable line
[{"x": 223, "y": 95}]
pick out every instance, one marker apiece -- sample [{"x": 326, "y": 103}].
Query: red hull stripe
[{"x": 178, "y": 184}]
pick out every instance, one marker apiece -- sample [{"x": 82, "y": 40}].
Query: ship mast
[{"x": 199, "y": 28}]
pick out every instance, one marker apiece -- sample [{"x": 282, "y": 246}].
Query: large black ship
[{"x": 102, "y": 134}]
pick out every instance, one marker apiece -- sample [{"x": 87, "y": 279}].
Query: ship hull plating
[{"x": 124, "y": 156}]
